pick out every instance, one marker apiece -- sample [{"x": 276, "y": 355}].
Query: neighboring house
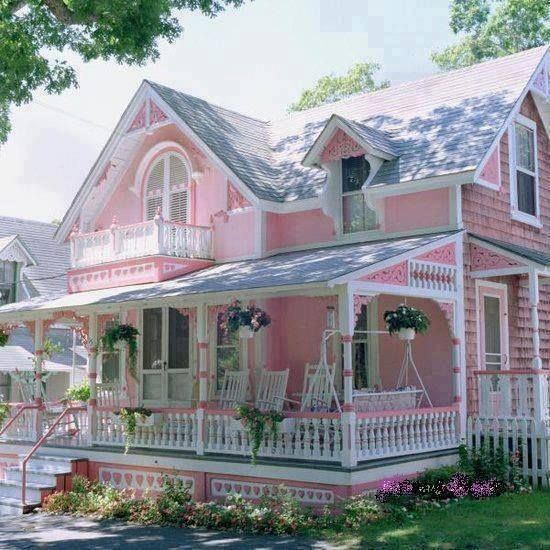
[
  {"x": 435, "y": 193},
  {"x": 33, "y": 264}
]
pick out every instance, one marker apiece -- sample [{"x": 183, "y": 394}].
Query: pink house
[{"x": 434, "y": 193}]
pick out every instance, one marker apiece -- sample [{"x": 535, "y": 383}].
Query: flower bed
[{"x": 477, "y": 475}]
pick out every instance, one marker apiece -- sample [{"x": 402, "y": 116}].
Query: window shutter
[
  {"x": 155, "y": 186},
  {"x": 179, "y": 190}
]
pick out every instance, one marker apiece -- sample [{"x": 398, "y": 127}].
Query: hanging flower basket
[
  {"x": 118, "y": 336},
  {"x": 245, "y": 333},
  {"x": 246, "y": 320},
  {"x": 406, "y": 334},
  {"x": 406, "y": 321}
]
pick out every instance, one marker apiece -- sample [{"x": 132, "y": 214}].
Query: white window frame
[
  {"x": 165, "y": 157},
  {"x": 516, "y": 214},
  {"x": 375, "y": 164}
]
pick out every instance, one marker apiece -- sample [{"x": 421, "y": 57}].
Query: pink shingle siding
[{"x": 487, "y": 213}]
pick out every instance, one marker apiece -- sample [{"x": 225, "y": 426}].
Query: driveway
[{"x": 66, "y": 532}]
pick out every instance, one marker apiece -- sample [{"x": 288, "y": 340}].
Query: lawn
[{"x": 509, "y": 521}]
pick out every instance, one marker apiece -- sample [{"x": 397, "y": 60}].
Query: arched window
[{"x": 168, "y": 188}]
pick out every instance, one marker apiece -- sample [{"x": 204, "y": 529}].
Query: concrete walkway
[{"x": 66, "y": 532}]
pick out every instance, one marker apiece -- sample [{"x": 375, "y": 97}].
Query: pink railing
[{"x": 39, "y": 443}]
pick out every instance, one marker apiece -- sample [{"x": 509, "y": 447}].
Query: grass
[{"x": 510, "y": 521}]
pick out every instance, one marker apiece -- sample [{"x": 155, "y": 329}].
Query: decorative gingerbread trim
[
  {"x": 483, "y": 259},
  {"x": 448, "y": 310},
  {"x": 359, "y": 301},
  {"x": 139, "y": 120},
  {"x": 394, "y": 275},
  {"x": 442, "y": 255},
  {"x": 341, "y": 146},
  {"x": 235, "y": 200},
  {"x": 156, "y": 114}
]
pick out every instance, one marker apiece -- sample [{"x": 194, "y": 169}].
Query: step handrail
[
  {"x": 25, "y": 407},
  {"x": 39, "y": 443}
]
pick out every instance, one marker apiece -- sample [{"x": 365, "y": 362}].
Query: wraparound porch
[{"x": 184, "y": 392}]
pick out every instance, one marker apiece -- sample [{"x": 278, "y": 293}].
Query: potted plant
[
  {"x": 122, "y": 334},
  {"x": 246, "y": 320},
  {"x": 406, "y": 321},
  {"x": 4, "y": 337},
  {"x": 4, "y": 413},
  {"x": 257, "y": 423},
  {"x": 78, "y": 392},
  {"x": 130, "y": 418}
]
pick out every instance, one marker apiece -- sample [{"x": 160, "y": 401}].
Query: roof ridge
[
  {"x": 226, "y": 109},
  {"x": 436, "y": 76},
  {"x": 27, "y": 220}
]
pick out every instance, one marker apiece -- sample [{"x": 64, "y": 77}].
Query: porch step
[{"x": 45, "y": 474}]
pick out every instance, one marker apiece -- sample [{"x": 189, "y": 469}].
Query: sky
[{"x": 255, "y": 59}]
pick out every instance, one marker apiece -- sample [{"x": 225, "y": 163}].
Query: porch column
[
  {"x": 539, "y": 381},
  {"x": 92, "y": 376},
  {"x": 38, "y": 362},
  {"x": 347, "y": 326},
  {"x": 202, "y": 339}
]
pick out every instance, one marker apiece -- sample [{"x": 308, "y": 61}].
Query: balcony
[{"x": 144, "y": 252}]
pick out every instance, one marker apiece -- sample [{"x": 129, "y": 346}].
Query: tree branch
[{"x": 61, "y": 12}]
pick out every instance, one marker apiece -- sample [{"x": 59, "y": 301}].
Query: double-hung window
[
  {"x": 8, "y": 282},
  {"x": 356, "y": 216},
  {"x": 524, "y": 172}
]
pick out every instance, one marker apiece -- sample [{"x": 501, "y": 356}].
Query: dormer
[{"x": 351, "y": 153}]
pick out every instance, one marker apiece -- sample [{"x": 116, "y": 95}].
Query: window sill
[{"x": 526, "y": 219}]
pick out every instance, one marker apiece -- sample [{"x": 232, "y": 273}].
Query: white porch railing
[
  {"x": 307, "y": 436},
  {"x": 24, "y": 426},
  {"x": 177, "y": 430},
  {"x": 400, "y": 433},
  {"x": 512, "y": 393},
  {"x": 155, "y": 237}
]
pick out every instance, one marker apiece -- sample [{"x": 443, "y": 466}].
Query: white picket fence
[{"x": 527, "y": 438}]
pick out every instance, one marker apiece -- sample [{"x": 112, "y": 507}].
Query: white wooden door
[
  {"x": 166, "y": 357},
  {"x": 493, "y": 333}
]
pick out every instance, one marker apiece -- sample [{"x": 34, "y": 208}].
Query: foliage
[
  {"x": 253, "y": 317},
  {"x": 78, "y": 392},
  {"x": 406, "y": 317},
  {"x": 479, "y": 473},
  {"x": 360, "y": 78},
  {"x": 126, "y": 334},
  {"x": 4, "y": 413},
  {"x": 50, "y": 348},
  {"x": 36, "y": 35},
  {"x": 494, "y": 28},
  {"x": 4, "y": 337},
  {"x": 257, "y": 423},
  {"x": 129, "y": 417}
]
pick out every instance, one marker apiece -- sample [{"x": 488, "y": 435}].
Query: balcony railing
[{"x": 151, "y": 238}]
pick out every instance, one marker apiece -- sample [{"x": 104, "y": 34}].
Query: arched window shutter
[
  {"x": 154, "y": 190},
  {"x": 168, "y": 189},
  {"x": 179, "y": 190}
]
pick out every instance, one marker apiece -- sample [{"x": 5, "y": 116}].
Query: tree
[
  {"x": 36, "y": 34},
  {"x": 332, "y": 88},
  {"x": 494, "y": 28}
]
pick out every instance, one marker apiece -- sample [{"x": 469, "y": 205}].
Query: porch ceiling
[{"x": 315, "y": 266}]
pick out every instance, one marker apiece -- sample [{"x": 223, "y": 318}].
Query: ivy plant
[
  {"x": 4, "y": 413},
  {"x": 129, "y": 417},
  {"x": 126, "y": 334},
  {"x": 4, "y": 337},
  {"x": 257, "y": 423}
]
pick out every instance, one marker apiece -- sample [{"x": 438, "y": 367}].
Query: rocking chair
[{"x": 271, "y": 392}]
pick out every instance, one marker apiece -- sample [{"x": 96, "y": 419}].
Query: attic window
[
  {"x": 8, "y": 273},
  {"x": 356, "y": 216},
  {"x": 168, "y": 189}
]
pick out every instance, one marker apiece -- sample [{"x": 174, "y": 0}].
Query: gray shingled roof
[
  {"x": 292, "y": 268},
  {"x": 440, "y": 125},
  {"x": 49, "y": 275},
  {"x": 536, "y": 256}
]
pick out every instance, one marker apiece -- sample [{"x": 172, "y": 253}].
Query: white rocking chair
[
  {"x": 317, "y": 392},
  {"x": 234, "y": 388},
  {"x": 271, "y": 392}
]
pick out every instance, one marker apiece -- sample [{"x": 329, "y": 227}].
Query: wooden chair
[
  {"x": 317, "y": 394},
  {"x": 271, "y": 392},
  {"x": 234, "y": 389}
]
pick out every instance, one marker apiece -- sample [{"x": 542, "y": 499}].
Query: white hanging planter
[
  {"x": 245, "y": 333},
  {"x": 406, "y": 334}
]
